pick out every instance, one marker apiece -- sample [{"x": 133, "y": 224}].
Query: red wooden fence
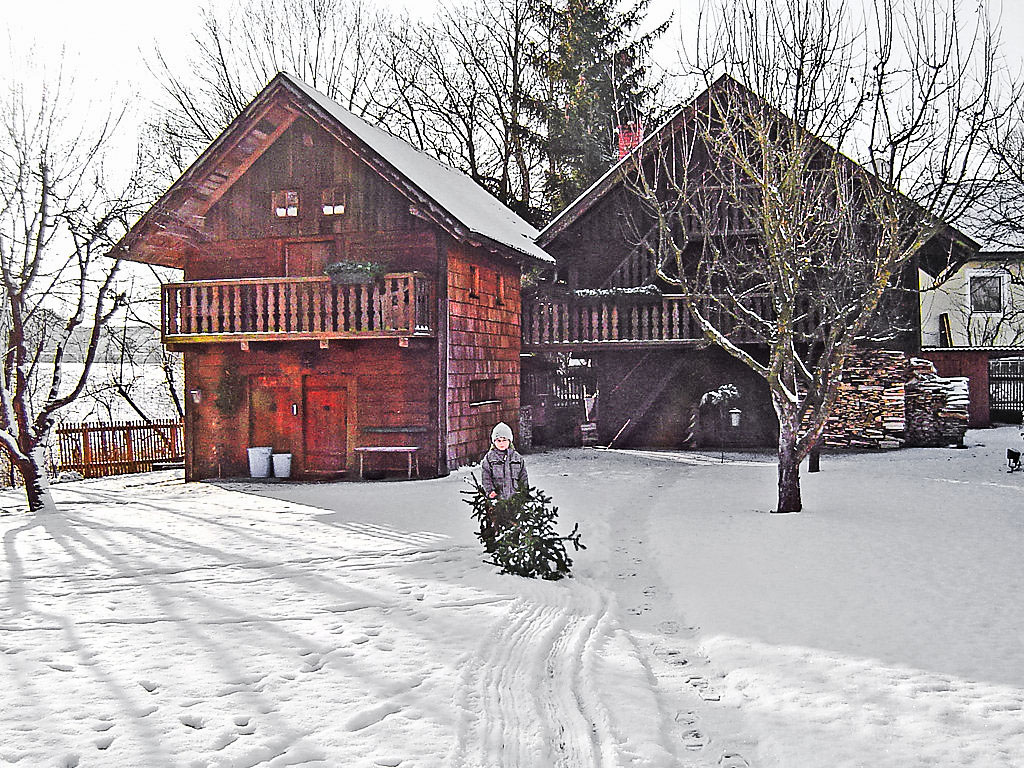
[{"x": 118, "y": 448}]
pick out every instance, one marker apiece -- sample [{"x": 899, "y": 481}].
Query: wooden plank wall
[{"x": 395, "y": 391}]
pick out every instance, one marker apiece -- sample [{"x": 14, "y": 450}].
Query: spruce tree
[
  {"x": 519, "y": 533},
  {"x": 596, "y": 71}
]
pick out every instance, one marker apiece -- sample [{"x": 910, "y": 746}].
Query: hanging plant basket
[{"x": 355, "y": 272}]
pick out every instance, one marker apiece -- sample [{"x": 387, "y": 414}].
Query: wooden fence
[{"x": 118, "y": 448}]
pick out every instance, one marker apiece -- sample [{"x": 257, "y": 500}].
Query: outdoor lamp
[
  {"x": 197, "y": 395},
  {"x": 734, "y": 417}
]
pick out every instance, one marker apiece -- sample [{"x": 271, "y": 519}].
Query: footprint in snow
[
  {"x": 313, "y": 663},
  {"x": 732, "y": 760},
  {"x": 104, "y": 742},
  {"x": 192, "y": 721},
  {"x": 693, "y": 735},
  {"x": 371, "y": 715},
  {"x": 149, "y": 685},
  {"x": 673, "y": 656},
  {"x": 390, "y": 762}
]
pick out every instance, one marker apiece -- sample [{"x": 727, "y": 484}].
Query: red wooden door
[
  {"x": 325, "y": 427},
  {"x": 271, "y": 418}
]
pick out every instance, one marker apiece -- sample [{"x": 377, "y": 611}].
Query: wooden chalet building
[
  {"x": 650, "y": 360},
  {"x": 424, "y": 356}
]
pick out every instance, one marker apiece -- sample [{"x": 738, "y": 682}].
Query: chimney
[{"x": 630, "y": 136}]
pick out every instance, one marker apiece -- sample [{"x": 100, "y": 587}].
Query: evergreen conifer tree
[
  {"x": 596, "y": 71},
  {"x": 519, "y": 533}
]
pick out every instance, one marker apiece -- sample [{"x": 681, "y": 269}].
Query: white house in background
[
  {"x": 980, "y": 306},
  {"x": 972, "y": 317}
]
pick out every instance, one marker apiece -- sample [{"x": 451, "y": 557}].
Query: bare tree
[
  {"x": 58, "y": 219},
  {"x": 334, "y": 45},
  {"x": 461, "y": 89},
  {"x": 774, "y": 236}
]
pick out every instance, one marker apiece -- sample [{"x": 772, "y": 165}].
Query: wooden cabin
[
  {"x": 610, "y": 307},
  {"x": 412, "y": 342}
]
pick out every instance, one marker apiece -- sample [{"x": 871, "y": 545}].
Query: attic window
[
  {"x": 474, "y": 281},
  {"x": 286, "y": 203},
  {"x": 333, "y": 201}
]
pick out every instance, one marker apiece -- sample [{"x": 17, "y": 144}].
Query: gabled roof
[
  {"x": 456, "y": 203},
  {"x": 700, "y": 104}
]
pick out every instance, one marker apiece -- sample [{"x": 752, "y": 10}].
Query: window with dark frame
[
  {"x": 332, "y": 201},
  {"x": 483, "y": 391},
  {"x": 285, "y": 203},
  {"x": 500, "y": 289},
  {"x": 474, "y": 282},
  {"x": 986, "y": 294}
]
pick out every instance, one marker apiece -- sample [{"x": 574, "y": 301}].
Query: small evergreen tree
[
  {"x": 519, "y": 533},
  {"x": 596, "y": 72}
]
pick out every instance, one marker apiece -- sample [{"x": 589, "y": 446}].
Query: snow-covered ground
[{"x": 156, "y": 624}]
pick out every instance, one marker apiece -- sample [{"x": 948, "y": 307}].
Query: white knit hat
[{"x": 501, "y": 429}]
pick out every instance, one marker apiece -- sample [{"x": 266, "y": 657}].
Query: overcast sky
[{"x": 106, "y": 41}]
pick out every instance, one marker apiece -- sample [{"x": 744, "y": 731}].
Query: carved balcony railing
[
  {"x": 401, "y": 304},
  {"x": 566, "y": 321}
]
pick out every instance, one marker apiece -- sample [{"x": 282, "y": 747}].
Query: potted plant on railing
[{"x": 348, "y": 272}]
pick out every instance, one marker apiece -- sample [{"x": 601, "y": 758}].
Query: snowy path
[
  {"x": 156, "y": 624},
  {"x": 162, "y": 625}
]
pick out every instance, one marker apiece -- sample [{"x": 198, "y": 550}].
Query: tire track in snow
[{"x": 525, "y": 696}]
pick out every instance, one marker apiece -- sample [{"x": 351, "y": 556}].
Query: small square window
[
  {"x": 286, "y": 203},
  {"x": 483, "y": 391},
  {"x": 986, "y": 294},
  {"x": 332, "y": 201}
]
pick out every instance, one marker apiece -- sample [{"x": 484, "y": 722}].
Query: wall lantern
[
  {"x": 734, "y": 417},
  {"x": 196, "y": 395}
]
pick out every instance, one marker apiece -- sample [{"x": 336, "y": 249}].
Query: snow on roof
[{"x": 459, "y": 195}]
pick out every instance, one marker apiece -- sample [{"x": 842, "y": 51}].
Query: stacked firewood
[
  {"x": 937, "y": 408},
  {"x": 870, "y": 411}
]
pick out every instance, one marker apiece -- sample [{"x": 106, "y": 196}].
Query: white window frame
[{"x": 1002, "y": 292}]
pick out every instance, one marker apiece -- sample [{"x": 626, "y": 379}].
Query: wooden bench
[{"x": 409, "y": 450}]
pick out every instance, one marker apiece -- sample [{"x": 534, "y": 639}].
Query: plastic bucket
[
  {"x": 259, "y": 461},
  {"x": 282, "y": 464}
]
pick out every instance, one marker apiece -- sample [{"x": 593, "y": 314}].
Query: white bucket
[
  {"x": 282, "y": 465},
  {"x": 259, "y": 461}
]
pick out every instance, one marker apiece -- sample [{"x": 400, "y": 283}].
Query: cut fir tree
[{"x": 519, "y": 533}]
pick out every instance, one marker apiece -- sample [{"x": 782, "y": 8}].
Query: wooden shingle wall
[{"x": 483, "y": 346}]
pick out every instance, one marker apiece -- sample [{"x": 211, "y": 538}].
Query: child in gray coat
[{"x": 503, "y": 469}]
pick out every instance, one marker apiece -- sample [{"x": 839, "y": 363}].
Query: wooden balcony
[
  {"x": 569, "y": 322},
  {"x": 401, "y": 305}
]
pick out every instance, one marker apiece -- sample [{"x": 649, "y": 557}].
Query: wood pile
[
  {"x": 870, "y": 411},
  {"x": 937, "y": 407},
  {"x": 887, "y": 400}
]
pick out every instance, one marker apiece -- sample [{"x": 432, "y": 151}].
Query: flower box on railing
[{"x": 355, "y": 272}]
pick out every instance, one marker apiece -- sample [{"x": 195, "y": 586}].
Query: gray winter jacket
[{"x": 504, "y": 472}]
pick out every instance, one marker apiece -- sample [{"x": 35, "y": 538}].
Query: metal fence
[{"x": 1006, "y": 385}]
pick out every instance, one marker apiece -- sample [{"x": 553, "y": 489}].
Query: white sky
[{"x": 107, "y": 41}]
